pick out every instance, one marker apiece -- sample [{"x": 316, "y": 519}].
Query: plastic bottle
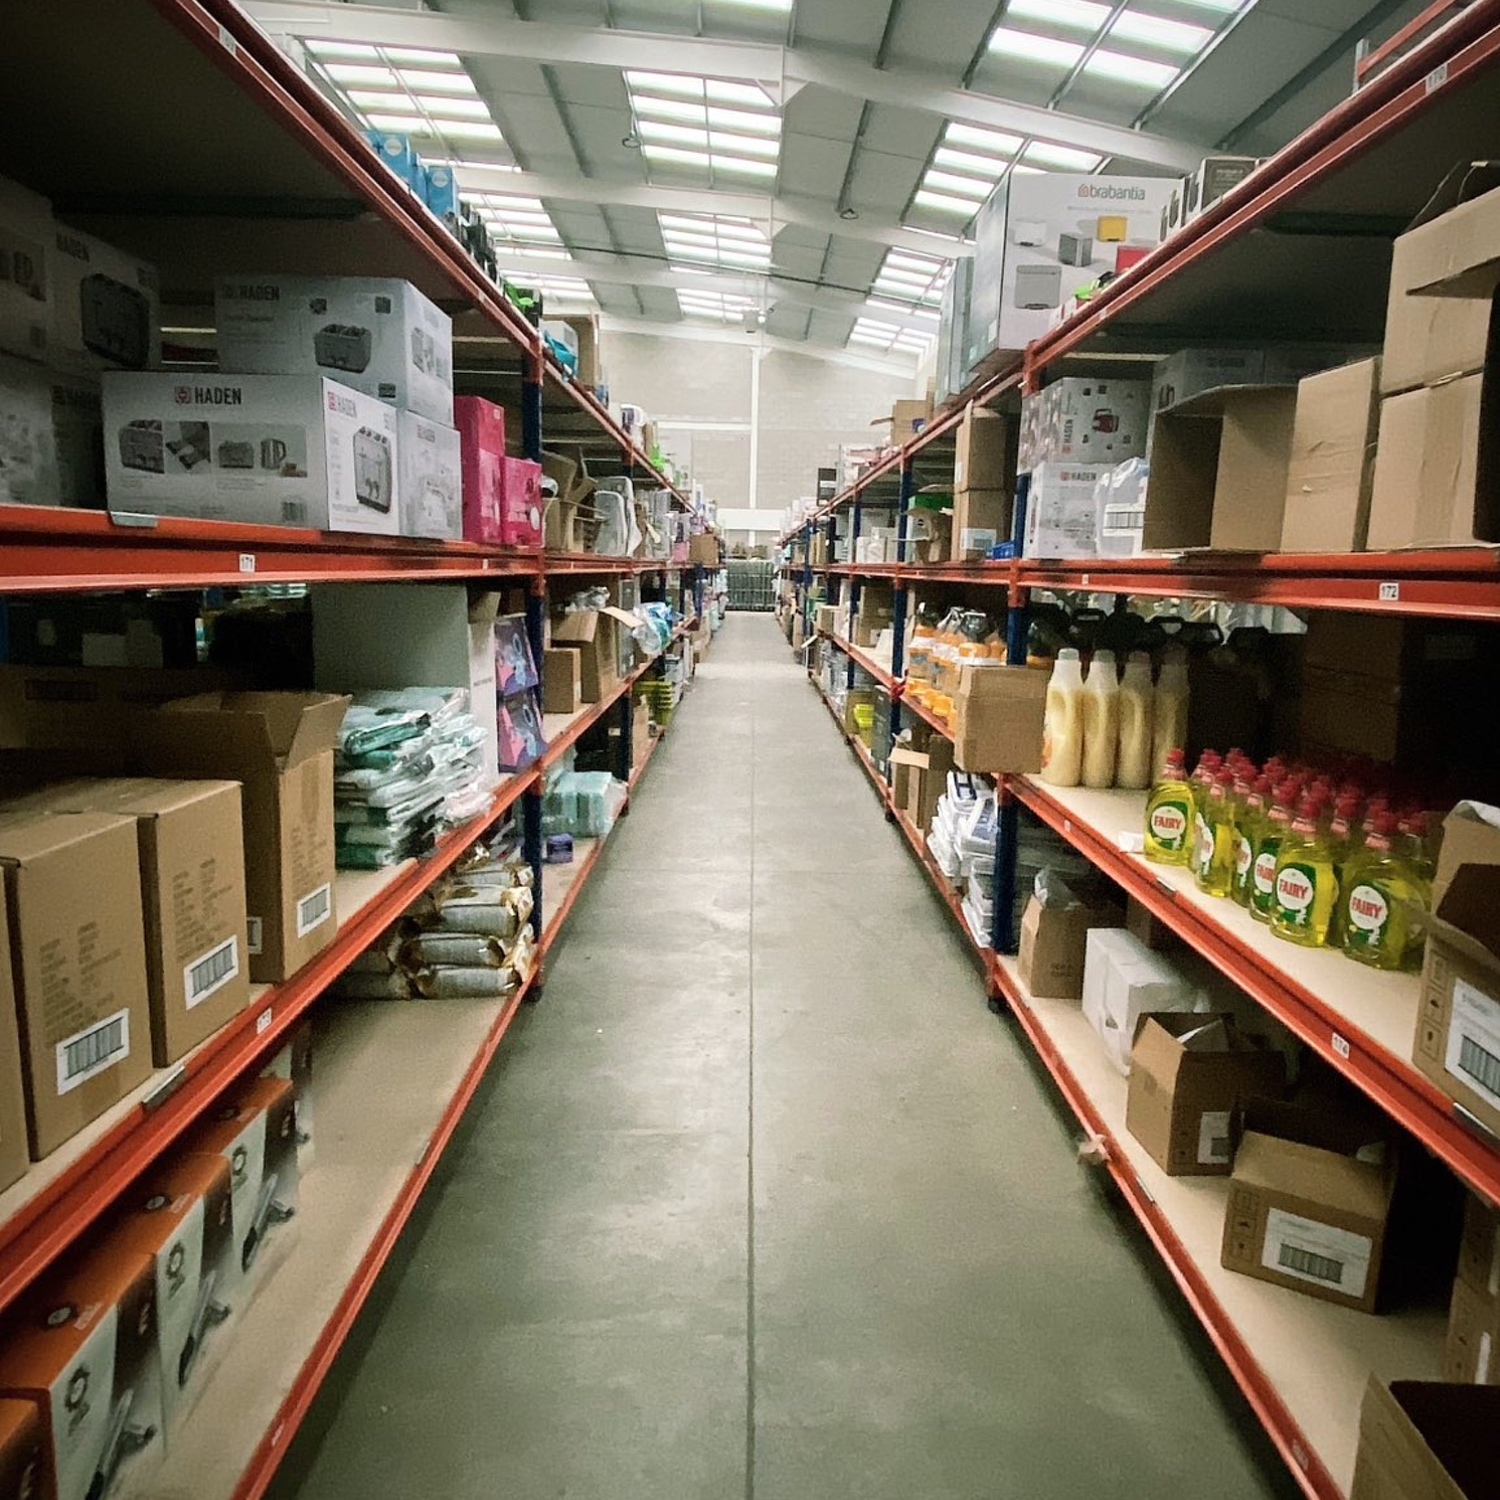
[
  {"x": 1137, "y": 696},
  {"x": 1273, "y": 829},
  {"x": 1062, "y": 730},
  {"x": 1307, "y": 888},
  {"x": 1169, "y": 706},
  {"x": 1169, "y": 814},
  {"x": 1101, "y": 721},
  {"x": 1415, "y": 845},
  {"x": 1213, "y": 854},
  {"x": 1379, "y": 924},
  {"x": 1209, "y": 765},
  {"x": 1249, "y": 818}
]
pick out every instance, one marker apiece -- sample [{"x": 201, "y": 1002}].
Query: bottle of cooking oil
[
  {"x": 1307, "y": 887},
  {"x": 1273, "y": 829},
  {"x": 1169, "y": 813},
  {"x": 1384, "y": 899},
  {"x": 1249, "y": 819},
  {"x": 1213, "y": 853},
  {"x": 1062, "y": 724}
]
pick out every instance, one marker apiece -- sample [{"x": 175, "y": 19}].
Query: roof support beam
[{"x": 780, "y": 69}]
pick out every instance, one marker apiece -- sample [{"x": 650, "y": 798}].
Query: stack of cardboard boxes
[{"x": 983, "y": 463}]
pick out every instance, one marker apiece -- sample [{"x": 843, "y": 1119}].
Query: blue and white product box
[
  {"x": 1041, "y": 237},
  {"x": 1062, "y": 517},
  {"x": 430, "y": 493},
  {"x": 399, "y": 156},
  {"x": 440, "y": 191},
  {"x": 26, "y": 230},
  {"x": 271, "y": 450},
  {"x": 381, "y": 337},
  {"x": 51, "y": 438},
  {"x": 106, "y": 306}
]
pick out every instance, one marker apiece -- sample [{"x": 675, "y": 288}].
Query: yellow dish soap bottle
[
  {"x": 1169, "y": 814},
  {"x": 1273, "y": 827},
  {"x": 1213, "y": 854},
  {"x": 1248, "y": 821},
  {"x": 1307, "y": 887},
  {"x": 1383, "y": 902}
]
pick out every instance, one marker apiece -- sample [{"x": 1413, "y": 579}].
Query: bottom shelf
[{"x": 375, "y": 1148}]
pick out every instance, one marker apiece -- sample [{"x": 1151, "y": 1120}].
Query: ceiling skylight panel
[
  {"x": 441, "y": 108},
  {"x": 944, "y": 203},
  {"x": 988, "y": 167},
  {"x": 993, "y": 142},
  {"x": 745, "y": 95},
  {"x": 1165, "y": 36},
  {"x": 671, "y": 109},
  {"x": 964, "y": 187},
  {"x": 741, "y": 164},
  {"x": 743, "y": 120},
  {"x": 1075, "y": 15},
  {"x": 745, "y": 145},
  {"x": 424, "y": 82},
  {"x": 676, "y": 156},
  {"x": 1068, "y": 158},
  {"x": 362, "y": 75},
  {"x": 681, "y": 135},
  {"x": 1033, "y": 48},
  {"x": 1110, "y": 64}
]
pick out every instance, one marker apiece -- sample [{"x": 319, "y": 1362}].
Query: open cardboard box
[{"x": 1421, "y": 1440}]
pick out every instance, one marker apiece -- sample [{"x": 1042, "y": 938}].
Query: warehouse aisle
[{"x": 761, "y": 1199}]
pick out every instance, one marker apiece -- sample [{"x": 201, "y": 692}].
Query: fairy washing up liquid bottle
[
  {"x": 1383, "y": 903},
  {"x": 1169, "y": 814},
  {"x": 1307, "y": 887}
]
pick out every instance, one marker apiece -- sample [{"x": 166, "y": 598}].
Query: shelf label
[
  {"x": 1390, "y": 592},
  {"x": 264, "y": 1019},
  {"x": 1303, "y": 1458},
  {"x": 1435, "y": 79},
  {"x": 247, "y": 562},
  {"x": 165, "y": 1089},
  {"x": 1341, "y": 1046},
  {"x": 227, "y": 41}
]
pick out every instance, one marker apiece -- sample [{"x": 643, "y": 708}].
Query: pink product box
[
  {"x": 503, "y": 504},
  {"x": 522, "y": 504}
]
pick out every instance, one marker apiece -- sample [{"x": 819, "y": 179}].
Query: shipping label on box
[
  {"x": 26, "y": 234},
  {"x": 270, "y": 450},
  {"x": 430, "y": 488},
  {"x": 106, "y": 306},
  {"x": 379, "y": 337}
]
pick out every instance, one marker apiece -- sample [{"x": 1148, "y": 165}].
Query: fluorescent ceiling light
[
  {"x": 745, "y": 145},
  {"x": 453, "y": 109},
  {"x": 670, "y": 109},
  {"x": 1048, "y": 155},
  {"x": 1153, "y": 31},
  {"x": 425, "y": 82},
  {"x": 743, "y": 119},
  {"x": 989, "y": 167},
  {"x": 964, "y": 187},
  {"x": 996, "y": 142},
  {"x": 656, "y": 130},
  {"x": 942, "y": 203},
  {"x": 1043, "y": 49},
  {"x": 743, "y": 166},
  {"x": 363, "y": 75},
  {"x": 1109, "y": 64},
  {"x": 352, "y": 50},
  {"x": 1076, "y": 15}
]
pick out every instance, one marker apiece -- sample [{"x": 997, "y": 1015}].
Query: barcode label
[
  {"x": 1318, "y": 1253},
  {"x": 315, "y": 909},
  {"x": 1213, "y": 1138},
  {"x": 1474, "y": 1041},
  {"x": 253, "y": 945},
  {"x": 207, "y": 975},
  {"x": 87, "y": 1053},
  {"x": 293, "y": 512}
]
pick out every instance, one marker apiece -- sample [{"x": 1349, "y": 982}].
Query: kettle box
[{"x": 270, "y": 450}]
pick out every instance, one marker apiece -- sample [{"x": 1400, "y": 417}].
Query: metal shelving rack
[
  {"x": 1244, "y": 271},
  {"x": 274, "y": 176}
]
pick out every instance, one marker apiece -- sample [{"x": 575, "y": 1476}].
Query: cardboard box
[
  {"x": 1214, "y": 177},
  {"x": 270, "y": 450},
  {"x": 1420, "y": 1440},
  {"x": 84, "y": 1350},
  {"x": 1123, "y": 981},
  {"x": 14, "y": 1153},
  {"x": 73, "y": 894},
  {"x": 920, "y": 776},
  {"x": 1053, "y": 943},
  {"x": 1479, "y": 1252},
  {"x": 997, "y": 719},
  {"x": 907, "y": 419},
  {"x": 192, "y": 874},
  {"x": 394, "y": 635},
  {"x": 1219, "y": 471},
  {"x": 929, "y": 535},
  {"x": 255, "y": 1132},
  {"x": 980, "y": 461},
  {"x": 981, "y": 518},
  {"x": 1304, "y": 1212},
  {"x": 1188, "y": 1073},
  {"x": 181, "y": 1220},
  {"x": 1062, "y": 511},
  {"x": 1473, "y": 1332},
  {"x": 1458, "y": 1020},
  {"x": 562, "y": 681},
  {"x": 1331, "y": 470},
  {"x": 429, "y": 497},
  {"x": 379, "y": 337},
  {"x": 23, "y": 1451},
  {"x": 279, "y": 746},
  {"x": 828, "y": 619},
  {"x": 1432, "y": 486},
  {"x": 704, "y": 550},
  {"x": 54, "y": 437},
  {"x": 294, "y": 1062},
  {"x": 1190, "y": 373},
  {"x": 106, "y": 306},
  {"x": 26, "y": 233},
  {"x": 1149, "y": 929},
  {"x": 593, "y": 635}
]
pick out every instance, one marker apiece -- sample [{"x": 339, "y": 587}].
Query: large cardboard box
[
  {"x": 1458, "y": 1018},
  {"x": 26, "y": 232},
  {"x": 13, "y": 1150},
  {"x": 84, "y": 1350},
  {"x": 1473, "y": 1332},
  {"x": 1305, "y": 1211},
  {"x": 908, "y": 418},
  {"x": 920, "y": 776},
  {"x": 394, "y": 635},
  {"x": 106, "y": 306},
  {"x": 270, "y": 450},
  {"x": 192, "y": 872},
  {"x": 1054, "y": 940},
  {"x": 980, "y": 460},
  {"x": 73, "y": 898},
  {"x": 1419, "y": 1440},
  {"x": 1479, "y": 1252},
  {"x": 981, "y": 519},
  {"x": 1219, "y": 467},
  {"x": 1188, "y": 1073},
  {"x": 279, "y": 746},
  {"x": 381, "y": 337},
  {"x": 704, "y": 550},
  {"x": 997, "y": 719},
  {"x": 1331, "y": 470},
  {"x": 429, "y": 496},
  {"x": 593, "y": 634},
  {"x": 562, "y": 681}
]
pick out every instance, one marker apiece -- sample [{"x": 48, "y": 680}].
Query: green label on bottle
[
  {"x": 1296, "y": 887},
  {"x": 1369, "y": 916},
  {"x": 1168, "y": 825}
]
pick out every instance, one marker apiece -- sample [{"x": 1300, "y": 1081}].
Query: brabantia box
[
  {"x": 271, "y": 450},
  {"x": 84, "y": 1350},
  {"x": 1040, "y": 238},
  {"x": 430, "y": 492},
  {"x": 182, "y": 1220},
  {"x": 380, "y": 337},
  {"x": 255, "y": 1132},
  {"x": 106, "y": 306}
]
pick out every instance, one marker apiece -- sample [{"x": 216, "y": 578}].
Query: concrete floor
[{"x": 762, "y": 1200}]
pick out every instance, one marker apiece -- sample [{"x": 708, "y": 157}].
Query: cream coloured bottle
[
  {"x": 1062, "y": 731},
  {"x": 1137, "y": 703},
  {"x": 1169, "y": 708},
  {"x": 1101, "y": 721}
]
